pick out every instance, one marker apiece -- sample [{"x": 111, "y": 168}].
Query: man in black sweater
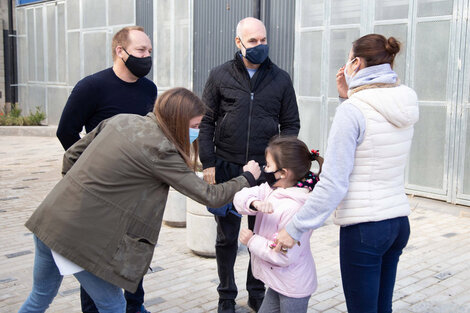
[
  {"x": 119, "y": 89},
  {"x": 249, "y": 101},
  {"x": 115, "y": 90}
]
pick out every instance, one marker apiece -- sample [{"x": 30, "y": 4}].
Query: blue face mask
[
  {"x": 256, "y": 55},
  {"x": 193, "y": 134}
]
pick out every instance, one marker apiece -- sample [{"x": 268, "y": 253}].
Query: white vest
[{"x": 376, "y": 191}]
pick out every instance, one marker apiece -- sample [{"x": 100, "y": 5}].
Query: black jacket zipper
[{"x": 252, "y": 95}]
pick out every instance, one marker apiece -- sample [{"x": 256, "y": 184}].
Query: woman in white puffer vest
[{"x": 363, "y": 175}]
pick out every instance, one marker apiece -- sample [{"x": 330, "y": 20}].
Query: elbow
[{"x": 216, "y": 203}]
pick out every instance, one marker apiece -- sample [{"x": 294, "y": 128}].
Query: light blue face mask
[{"x": 193, "y": 134}]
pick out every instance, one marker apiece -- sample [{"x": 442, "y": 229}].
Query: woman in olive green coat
[{"x": 102, "y": 220}]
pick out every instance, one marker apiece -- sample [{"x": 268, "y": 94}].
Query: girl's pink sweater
[{"x": 292, "y": 274}]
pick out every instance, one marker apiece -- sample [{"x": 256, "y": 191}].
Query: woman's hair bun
[{"x": 392, "y": 46}]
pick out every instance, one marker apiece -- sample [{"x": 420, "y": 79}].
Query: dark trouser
[
  {"x": 226, "y": 246},
  {"x": 134, "y": 300},
  {"x": 369, "y": 254}
]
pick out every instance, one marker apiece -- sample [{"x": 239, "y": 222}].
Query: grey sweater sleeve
[{"x": 346, "y": 133}]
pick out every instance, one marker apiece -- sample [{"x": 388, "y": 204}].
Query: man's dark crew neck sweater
[{"x": 101, "y": 96}]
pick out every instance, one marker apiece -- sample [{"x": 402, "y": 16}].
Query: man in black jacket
[{"x": 249, "y": 101}]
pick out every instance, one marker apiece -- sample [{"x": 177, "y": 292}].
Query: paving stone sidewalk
[{"x": 433, "y": 274}]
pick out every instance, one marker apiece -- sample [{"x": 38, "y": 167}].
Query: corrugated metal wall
[
  {"x": 279, "y": 18},
  {"x": 215, "y": 23},
  {"x": 144, "y": 18}
]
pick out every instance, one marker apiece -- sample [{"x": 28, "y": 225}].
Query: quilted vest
[{"x": 376, "y": 191}]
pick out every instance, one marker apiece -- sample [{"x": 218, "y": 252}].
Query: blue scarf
[{"x": 381, "y": 73}]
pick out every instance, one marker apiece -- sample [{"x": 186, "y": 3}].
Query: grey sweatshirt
[{"x": 346, "y": 133}]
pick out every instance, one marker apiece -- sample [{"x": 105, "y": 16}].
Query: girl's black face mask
[{"x": 270, "y": 177}]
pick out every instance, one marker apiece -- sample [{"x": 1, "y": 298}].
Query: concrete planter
[
  {"x": 175, "y": 209},
  {"x": 201, "y": 230}
]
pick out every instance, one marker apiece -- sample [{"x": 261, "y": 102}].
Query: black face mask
[
  {"x": 138, "y": 66},
  {"x": 270, "y": 177},
  {"x": 257, "y": 54}
]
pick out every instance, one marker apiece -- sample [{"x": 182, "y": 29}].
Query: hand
[
  {"x": 245, "y": 236},
  {"x": 284, "y": 240},
  {"x": 253, "y": 168},
  {"x": 341, "y": 84},
  {"x": 209, "y": 175},
  {"x": 263, "y": 206}
]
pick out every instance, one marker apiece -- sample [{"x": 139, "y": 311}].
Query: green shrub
[
  {"x": 14, "y": 118},
  {"x": 15, "y": 111}
]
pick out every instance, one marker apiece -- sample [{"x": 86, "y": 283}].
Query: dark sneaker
[
  {"x": 255, "y": 303},
  {"x": 226, "y": 306}
]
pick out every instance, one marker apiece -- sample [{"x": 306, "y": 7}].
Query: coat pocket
[{"x": 133, "y": 257}]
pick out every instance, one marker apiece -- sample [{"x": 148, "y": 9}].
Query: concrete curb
[{"x": 40, "y": 131}]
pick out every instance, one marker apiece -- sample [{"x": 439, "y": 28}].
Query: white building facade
[{"x": 61, "y": 41}]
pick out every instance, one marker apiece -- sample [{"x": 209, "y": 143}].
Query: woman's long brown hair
[{"x": 173, "y": 110}]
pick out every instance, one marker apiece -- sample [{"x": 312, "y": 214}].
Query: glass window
[
  {"x": 95, "y": 55},
  {"x": 310, "y": 119},
  {"x": 56, "y": 98},
  {"x": 94, "y": 13},
  {"x": 61, "y": 54},
  {"x": 20, "y": 22},
  {"x": 391, "y": 9},
  {"x": 311, "y": 13},
  {"x": 182, "y": 54},
  {"x": 23, "y": 96},
  {"x": 466, "y": 159},
  {"x": 51, "y": 44},
  {"x": 73, "y": 16},
  {"x": 181, "y": 10},
  {"x": 121, "y": 12},
  {"x": 345, "y": 12},
  {"x": 39, "y": 32},
  {"x": 310, "y": 63},
  {"x": 172, "y": 66},
  {"x": 36, "y": 97},
  {"x": 73, "y": 48},
  {"x": 163, "y": 62},
  {"x": 428, "y": 148},
  {"x": 23, "y": 59},
  {"x": 431, "y": 57},
  {"x": 399, "y": 31},
  {"x": 434, "y": 7},
  {"x": 340, "y": 45},
  {"x": 31, "y": 46}
]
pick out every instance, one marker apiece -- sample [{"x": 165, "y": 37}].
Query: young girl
[{"x": 290, "y": 275}]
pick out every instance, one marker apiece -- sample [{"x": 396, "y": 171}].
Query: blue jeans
[
  {"x": 47, "y": 280},
  {"x": 369, "y": 254},
  {"x": 134, "y": 300}
]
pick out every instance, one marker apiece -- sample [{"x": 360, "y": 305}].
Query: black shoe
[
  {"x": 226, "y": 306},
  {"x": 255, "y": 303}
]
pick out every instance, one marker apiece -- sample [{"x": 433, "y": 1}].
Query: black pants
[
  {"x": 226, "y": 246},
  {"x": 134, "y": 300}
]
